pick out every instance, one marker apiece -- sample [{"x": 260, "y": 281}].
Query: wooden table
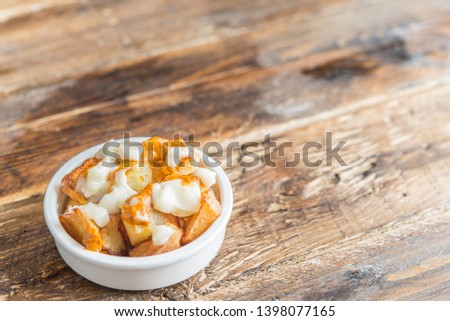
[{"x": 374, "y": 73}]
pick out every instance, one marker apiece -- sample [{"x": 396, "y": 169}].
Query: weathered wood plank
[
  {"x": 231, "y": 107},
  {"x": 285, "y": 34},
  {"x": 375, "y": 229},
  {"x": 116, "y": 31}
]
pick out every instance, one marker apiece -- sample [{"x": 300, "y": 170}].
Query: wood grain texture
[{"x": 375, "y": 73}]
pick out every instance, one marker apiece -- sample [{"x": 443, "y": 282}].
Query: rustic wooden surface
[{"x": 74, "y": 73}]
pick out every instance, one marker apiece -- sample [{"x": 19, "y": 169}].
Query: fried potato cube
[
  {"x": 159, "y": 218},
  {"x": 196, "y": 224},
  {"x": 158, "y": 174},
  {"x": 82, "y": 229},
  {"x": 147, "y": 248},
  {"x": 137, "y": 209},
  {"x": 177, "y": 141},
  {"x": 69, "y": 182},
  {"x": 70, "y": 203},
  {"x": 155, "y": 150},
  {"x": 113, "y": 242},
  {"x": 138, "y": 233},
  {"x": 139, "y": 176}
]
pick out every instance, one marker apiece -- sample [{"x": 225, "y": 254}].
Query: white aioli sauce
[
  {"x": 207, "y": 176},
  {"x": 176, "y": 198},
  {"x": 94, "y": 212},
  {"x": 96, "y": 181},
  {"x": 113, "y": 201}
]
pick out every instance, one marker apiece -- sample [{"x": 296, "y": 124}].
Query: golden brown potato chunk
[
  {"x": 113, "y": 242},
  {"x": 138, "y": 177},
  {"x": 137, "y": 209},
  {"x": 160, "y": 218},
  {"x": 82, "y": 229},
  {"x": 155, "y": 150},
  {"x": 69, "y": 203},
  {"x": 195, "y": 225},
  {"x": 69, "y": 182},
  {"x": 138, "y": 233},
  {"x": 147, "y": 248}
]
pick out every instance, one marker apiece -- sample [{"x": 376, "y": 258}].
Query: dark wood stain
[
  {"x": 343, "y": 68},
  {"x": 394, "y": 51},
  {"x": 151, "y": 74}
]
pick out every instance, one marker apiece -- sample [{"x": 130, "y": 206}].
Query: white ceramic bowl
[{"x": 135, "y": 273}]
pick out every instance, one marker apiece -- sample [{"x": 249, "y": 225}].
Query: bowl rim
[{"x": 62, "y": 238}]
